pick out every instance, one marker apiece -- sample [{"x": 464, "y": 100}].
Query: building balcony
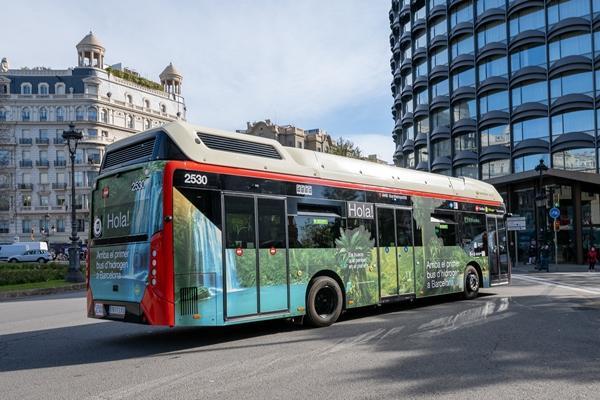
[
  {"x": 26, "y": 163},
  {"x": 25, "y": 186},
  {"x": 44, "y": 187},
  {"x": 42, "y": 163},
  {"x": 5, "y": 186},
  {"x": 42, "y": 141},
  {"x": 59, "y": 186},
  {"x": 41, "y": 208},
  {"x": 59, "y": 141},
  {"x": 60, "y": 163},
  {"x": 25, "y": 141}
]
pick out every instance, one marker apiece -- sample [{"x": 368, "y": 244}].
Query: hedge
[{"x": 11, "y": 274}]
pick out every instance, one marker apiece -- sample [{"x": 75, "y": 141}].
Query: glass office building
[{"x": 488, "y": 88}]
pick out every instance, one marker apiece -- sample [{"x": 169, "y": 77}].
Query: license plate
[
  {"x": 99, "y": 309},
  {"x": 117, "y": 311}
]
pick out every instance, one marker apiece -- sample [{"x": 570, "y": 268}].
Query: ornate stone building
[
  {"x": 37, "y": 105},
  {"x": 291, "y": 136}
]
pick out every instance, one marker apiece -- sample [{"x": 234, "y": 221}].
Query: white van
[{"x": 8, "y": 250}]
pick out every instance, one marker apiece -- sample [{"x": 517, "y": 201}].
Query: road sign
[
  {"x": 515, "y": 224},
  {"x": 554, "y": 212}
]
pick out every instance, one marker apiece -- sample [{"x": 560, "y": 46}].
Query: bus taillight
[{"x": 155, "y": 257}]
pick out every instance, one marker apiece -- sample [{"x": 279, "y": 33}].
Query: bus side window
[
  {"x": 313, "y": 231},
  {"x": 445, "y": 227},
  {"x": 239, "y": 219}
]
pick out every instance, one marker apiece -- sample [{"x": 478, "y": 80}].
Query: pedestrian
[
  {"x": 592, "y": 257},
  {"x": 545, "y": 257},
  {"x": 531, "y": 253}
]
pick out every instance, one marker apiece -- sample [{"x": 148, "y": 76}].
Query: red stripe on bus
[{"x": 316, "y": 181}]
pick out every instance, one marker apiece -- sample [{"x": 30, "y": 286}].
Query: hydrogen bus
[{"x": 198, "y": 227}]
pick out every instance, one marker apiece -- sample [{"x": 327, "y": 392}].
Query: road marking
[{"x": 555, "y": 284}]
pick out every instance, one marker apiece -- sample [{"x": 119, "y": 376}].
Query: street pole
[{"x": 74, "y": 273}]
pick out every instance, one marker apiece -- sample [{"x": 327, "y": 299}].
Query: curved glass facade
[{"x": 495, "y": 85}]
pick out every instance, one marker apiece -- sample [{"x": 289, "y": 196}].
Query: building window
[
  {"x": 148, "y": 124},
  {"x": 439, "y": 57},
  {"x": 410, "y": 160},
  {"x": 43, "y": 114},
  {"x": 3, "y": 114},
  {"x": 570, "y": 45},
  {"x": 421, "y": 69},
  {"x": 60, "y": 225},
  {"x": 528, "y": 163},
  {"x": 419, "y": 14},
  {"x": 575, "y": 121},
  {"x": 468, "y": 171},
  {"x": 92, "y": 114},
  {"x": 104, "y": 115},
  {"x": 438, "y": 27},
  {"x": 569, "y": 84},
  {"x": 464, "y": 78},
  {"x": 582, "y": 160},
  {"x": 528, "y": 57},
  {"x": 26, "y": 199},
  {"x": 422, "y": 155},
  {"x": 493, "y": 67},
  {"x": 26, "y": 88},
  {"x": 147, "y": 103},
  {"x": 484, "y": 5},
  {"x": 80, "y": 225},
  {"x": 464, "y": 109},
  {"x": 422, "y": 97},
  {"x": 59, "y": 88},
  {"x": 163, "y": 108},
  {"x": 27, "y": 227},
  {"x": 43, "y": 89},
  {"x": 440, "y": 118},
  {"x": 491, "y": 33},
  {"x": 462, "y": 13},
  {"x": 25, "y": 114},
  {"x": 421, "y": 41},
  {"x": 79, "y": 114},
  {"x": 530, "y": 129},
  {"x": 422, "y": 126},
  {"x": 498, "y": 135},
  {"x": 60, "y": 114},
  {"x": 497, "y": 101},
  {"x": 527, "y": 20},
  {"x": 533, "y": 93},
  {"x": 494, "y": 169},
  {"x": 129, "y": 121},
  {"x": 466, "y": 142},
  {"x": 129, "y": 99},
  {"x": 441, "y": 149},
  {"x": 4, "y": 227},
  {"x": 560, "y": 10},
  {"x": 462, "y": 45},
  {"x": 439, "y": 88}
]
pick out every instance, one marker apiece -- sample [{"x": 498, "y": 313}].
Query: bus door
[
  {"x": 497, "y": 250},
  {"x": 395, "y": 251},
  {"x": 256, "y": 271}
]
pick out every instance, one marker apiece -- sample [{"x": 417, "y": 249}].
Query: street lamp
[
  {"x": 72, "y": 137},
  {"x": 541, "y": 197}
]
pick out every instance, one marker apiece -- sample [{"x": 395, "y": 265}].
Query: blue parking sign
[{"x": 554, "y": 213}]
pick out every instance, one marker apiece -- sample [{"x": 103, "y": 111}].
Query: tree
[{"x": 345, "y": 148}]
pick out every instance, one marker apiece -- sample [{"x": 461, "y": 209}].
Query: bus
[{"x": 199, "y": 227}]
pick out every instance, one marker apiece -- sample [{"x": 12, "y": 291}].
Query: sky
[{"x": 310, "y": 63}]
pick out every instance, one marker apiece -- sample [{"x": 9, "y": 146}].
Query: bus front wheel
[
  {"x": 471, "y": 283},
  {"x": 323, "y": 302}
]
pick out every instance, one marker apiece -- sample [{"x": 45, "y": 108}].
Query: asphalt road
[{"x": 536, "y": 339}]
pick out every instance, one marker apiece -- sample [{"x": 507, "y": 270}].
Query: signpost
[
  {"x": 554, "y": 214},
  {"x": 515, "y": 224}
]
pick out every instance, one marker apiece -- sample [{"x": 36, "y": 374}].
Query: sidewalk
[{"x": 523, "y": 268}]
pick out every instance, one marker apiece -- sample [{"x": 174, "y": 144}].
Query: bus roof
[{"x": 206, "y": 145}]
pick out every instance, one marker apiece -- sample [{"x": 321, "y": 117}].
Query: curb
[{"x": 39, "y": 292}]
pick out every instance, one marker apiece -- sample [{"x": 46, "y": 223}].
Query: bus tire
[
  {"x": 471, "y": 283},
  {"x": 323, "y": 302}
]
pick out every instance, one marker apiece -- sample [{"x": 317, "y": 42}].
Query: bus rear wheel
[
  {"x": 323, "y": 302},
  {"x": 471, "y": 283}
]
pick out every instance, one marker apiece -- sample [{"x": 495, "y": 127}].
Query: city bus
[{"x": 193, "y": 226}]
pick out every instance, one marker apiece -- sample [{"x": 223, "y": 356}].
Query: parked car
[{"x": 41, "y": 256}]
